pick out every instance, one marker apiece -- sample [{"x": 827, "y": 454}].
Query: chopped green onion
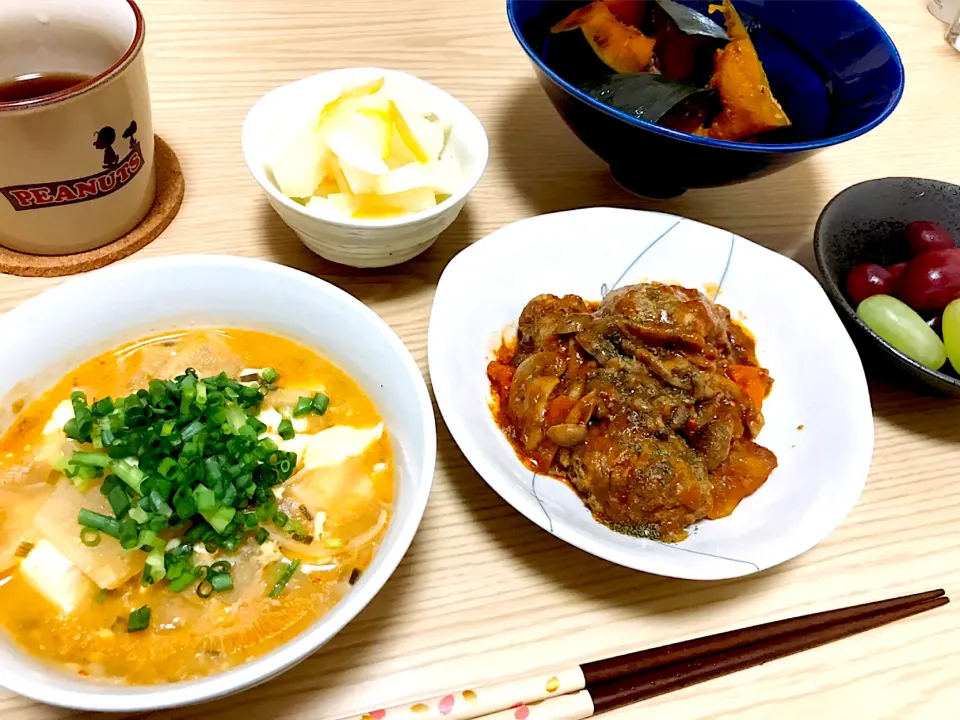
[
  {"x": 187, "y": 396},
  {"x": 156, "y": 565},
  {"x": 102, "y": 407},
  {"x": 184, "y": 504},
  {"x": 139, "y": 515},
  {"x": 108, "y": 484},
  {"x": 191, "y": 430},
  {"x": 320, "y": 403},
  {"x": 80, "y": 426},
  {"x": 294, "y": 526},
  {"x": 119, "y": 500},
  {"x": 285, "y": 430},
  {"x": 180, "y": 583},
  {"x": 196, "y": 532},
  {"x": 146, "y": 538},
  {"x": 166, "y": 466},
  {"x": 96, "y": 521},
  {"x": 156, "y": 523},
  {"x": 221, "y": 518},
  {"x": 90, "y": 537},
  {"x": 205, "y": 498},
  {"x": 236, "y": 417},
  {"x": 229, "y": 496},
  {"x": 332, "y": 542},
  {"x": 257, "y": 426},
  {"x": 159, "y": 504},
  {"x": 129, "y": 534},
  {"x": 266, "y": 511},
  {"x": 128, "y": 471},
  {"x": 285, "y": 574},
  {"x": 270, "y": 375},
  {"x": 90, "y": 459},
  {"x": 106, "y": 431},
  {"x": 221, "y": 582},
  {"x": 304, "y": 406},
  {"x": 212, "y": 468},
  {"x": 174, "y": 452},
  {"x": 139, "y": 619}
]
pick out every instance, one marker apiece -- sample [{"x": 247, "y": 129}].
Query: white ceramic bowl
[
  {"x": 362, "y": 243},
  {"x": 818, "y": 417},
  {"x": 50, "y": 334}
]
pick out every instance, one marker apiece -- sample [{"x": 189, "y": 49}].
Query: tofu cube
[{"x": 50, "y": 573}]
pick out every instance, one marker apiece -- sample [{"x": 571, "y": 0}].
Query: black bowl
[{"x": 865, "y": 224}]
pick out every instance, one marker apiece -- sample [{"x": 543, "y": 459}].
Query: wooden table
[{"x": 483, "y": 593}]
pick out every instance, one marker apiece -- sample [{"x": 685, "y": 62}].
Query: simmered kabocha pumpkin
[
  {"x": 621, "y": 47},
  {"x": 749, "y": 107},
  {"x": 672, "y": 65}
]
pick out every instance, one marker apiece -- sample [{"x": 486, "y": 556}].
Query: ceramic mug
[{"x": 76, "y": 165}]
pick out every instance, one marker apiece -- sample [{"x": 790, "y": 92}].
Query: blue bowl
[{"x": 834, "y": 70}]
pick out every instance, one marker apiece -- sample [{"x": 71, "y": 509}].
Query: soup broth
[{"x": 74, "y": 597}]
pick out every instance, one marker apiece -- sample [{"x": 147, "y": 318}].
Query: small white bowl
[
  {"x": 362, "y": 243},
  {"x": 45, "y": 337},
  {"x": 818, "y": 417}
]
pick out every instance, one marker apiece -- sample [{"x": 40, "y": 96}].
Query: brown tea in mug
[{"x": 39, "y": 84}]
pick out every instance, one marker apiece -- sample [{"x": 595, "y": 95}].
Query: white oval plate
[{"x": 818, "y": 417}]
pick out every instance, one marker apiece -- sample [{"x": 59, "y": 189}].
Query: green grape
[
  {"x": 903, "y": 328},
  {"x": 951, "y": 333}
]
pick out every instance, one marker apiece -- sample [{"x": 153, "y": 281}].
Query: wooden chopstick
[
  {"x": 634, "y": 688},
  {"x": 579, "y": 691},
  {"x": 638, "y": 662}
]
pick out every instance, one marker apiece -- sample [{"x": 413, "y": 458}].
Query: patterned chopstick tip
[
  {"x": 515, "y": 699},
  {"x": 444, "y": 706}
]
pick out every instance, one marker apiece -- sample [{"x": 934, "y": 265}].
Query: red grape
[
  {"x": 866, "y": 281},
  {"x": 930, "y": 281},
  {"x": 895, "y": 270},
  {"x": 923, "y": 236}
]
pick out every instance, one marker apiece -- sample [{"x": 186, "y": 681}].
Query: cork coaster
[{"x": 170, "y": 187}]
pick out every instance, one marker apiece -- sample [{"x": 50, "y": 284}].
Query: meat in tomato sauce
[{"x": 648, "y": 404}]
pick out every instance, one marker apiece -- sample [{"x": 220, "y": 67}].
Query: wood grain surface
[{"x": 483, "y": 593}]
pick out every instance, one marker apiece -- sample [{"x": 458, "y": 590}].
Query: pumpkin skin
[
  {"x": 683, "y": 57},
  {"x": 622, "y": 48}
]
